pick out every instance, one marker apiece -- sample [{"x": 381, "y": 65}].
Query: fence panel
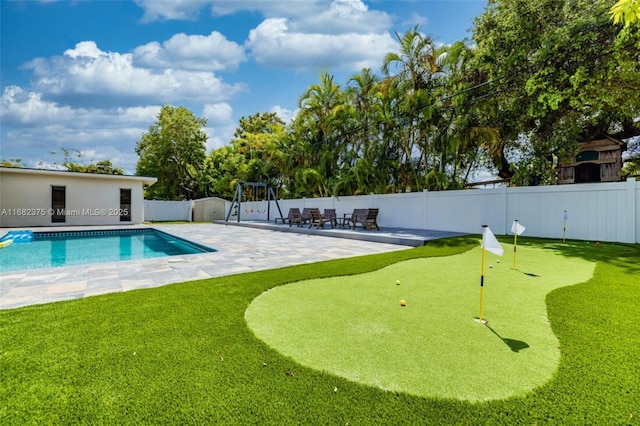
[
  {"x": 596, "y": 212},
  {"x": 159, "y": 211},
  {"x": 466, "y": 211}
]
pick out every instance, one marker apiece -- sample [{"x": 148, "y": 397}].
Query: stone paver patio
[{"x": 239, "y": 249}]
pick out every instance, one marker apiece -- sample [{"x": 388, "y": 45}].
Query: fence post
[
  {"x": 425, "y": 213},
  {"x": 505, "y": 200},
  {"x": 632, "y": 213}
]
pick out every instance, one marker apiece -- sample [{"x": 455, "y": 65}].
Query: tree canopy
[
  {"x": 173, "y": 150},
  {"x": 538, "y": 78},
  {"x": 626, "y": 11},
  {"x": 557, "y": 72}
]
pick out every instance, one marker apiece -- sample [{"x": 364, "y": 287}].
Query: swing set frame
[{"x": 237, "y": 198}]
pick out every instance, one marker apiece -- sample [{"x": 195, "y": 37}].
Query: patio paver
[{"x": 239, "y": 249}]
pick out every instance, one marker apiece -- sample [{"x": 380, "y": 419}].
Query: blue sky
[{"x": 92, "y": 75}]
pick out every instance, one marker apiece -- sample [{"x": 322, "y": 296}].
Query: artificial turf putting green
[
  {"x": 354, "y": 327},
  {"x": 182, "y": 354}
]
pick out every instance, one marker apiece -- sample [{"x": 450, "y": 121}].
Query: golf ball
[
  {"x": 403, "y": 303},
  {"x": 490, "y": 266},
  {"x": 497, "y": 260},
  {"x": 397, "y": 282}
]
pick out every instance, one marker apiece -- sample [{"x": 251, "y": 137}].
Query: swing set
[{"x": 253, "y": 191}]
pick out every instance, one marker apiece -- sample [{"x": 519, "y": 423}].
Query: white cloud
[
  {"x": 34, "y": 128},
  {"x": 184, "y": 10},
  {"x": 220, "y": 124},
  {"x": 268, "y": 8},
  {"x": 285, "y": 114},
  {"x": 20, "y": 107},
  {"x": 195, "y": 52},
  {"x": 301, "y": 35},
  {"x": 188, "y": 10},
  {"x": 414, "y": 19},
  {"x": 273, "y": 44},
  {"x": 37, "y": 144},
  {"x": 218, "y": 114},
  {"x": 343, "y": 17},
  {"x": 26, "y": 109},
  {"x": 218, "y": 136},
  {"x": 90, "y": 76}
]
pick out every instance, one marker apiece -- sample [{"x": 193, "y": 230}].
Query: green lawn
[
  {"x": 354, "y": 326},
  {"x": 183, "y": 354}
]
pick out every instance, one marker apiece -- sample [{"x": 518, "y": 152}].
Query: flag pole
[
  {"x": 515, "y": 243},
  {"x": 564, "y": 226},
  {"x": 482, "y": 277}
]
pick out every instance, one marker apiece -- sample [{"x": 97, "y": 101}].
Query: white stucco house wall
[{"x": 35, "y": 197}]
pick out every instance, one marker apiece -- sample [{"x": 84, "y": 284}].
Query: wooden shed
[{"x": 597, "y": 161}]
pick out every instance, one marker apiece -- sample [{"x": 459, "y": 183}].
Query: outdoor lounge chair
[
  {"x": 318, "y": 220},
  {"x": 331, "y": 214},
  {"x": 371, "y": 221},
  {"x": 306, "y": 216},
  {"x": 357, "y": 216},
  {"x": 294, "y": 216},
  {"x": 368, "y": 218}
]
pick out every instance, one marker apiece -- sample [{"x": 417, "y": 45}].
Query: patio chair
[
  {"x": 358, "y": 216},
  {"x": 371, "y": 221},
  {"x": 306, "y": 216},
  {"x": 294, "y": 216},
  {"x": 318, "y": 220},
  {"x": 331, "y": 214}
]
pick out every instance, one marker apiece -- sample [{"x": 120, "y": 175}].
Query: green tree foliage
[
  {"x": 542, "y": 75},
  {"x": 626, "y": 11},
  {"x": 173, "y": 150},
  {"x": 406, "y": 130},
  {"x": 224, "y": 167},
  {"x": 555, "y": 72},
  {"x": 259, "y": 152},
  {"x": 632, "y": 165},
  {"x": 12, "y": 162},
  {"x": 321, "y": 124}
]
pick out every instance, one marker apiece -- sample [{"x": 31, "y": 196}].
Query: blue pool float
[{"x": 18, "y": 237}]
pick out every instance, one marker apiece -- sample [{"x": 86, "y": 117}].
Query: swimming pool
[{"x": 51, "y": 249}]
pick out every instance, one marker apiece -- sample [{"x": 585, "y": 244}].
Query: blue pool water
[{"x": 50, "y": 249}]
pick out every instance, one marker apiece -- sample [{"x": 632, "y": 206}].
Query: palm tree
[
  {"x": 460, "y": 133},
  {"x": 411, "y": 71},
  {"x": 319, "y": 122}
]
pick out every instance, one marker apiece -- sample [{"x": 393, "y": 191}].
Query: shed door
[{"x": 587, "y": 173}]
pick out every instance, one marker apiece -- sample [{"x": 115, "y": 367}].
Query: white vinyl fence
[
  {"x": 158, "y": 211},
  {"x": 596, "y": 212}
]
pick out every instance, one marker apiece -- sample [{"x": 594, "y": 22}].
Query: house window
[
  {"x": 125, "y": 205},
  {"x": 58, "y": 204},
  {"x": 588, "y": 156}
]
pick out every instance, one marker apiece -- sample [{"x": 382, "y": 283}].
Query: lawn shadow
[
  {"x": 529, "y": 274},
  {"x": 514, "y": 345}
]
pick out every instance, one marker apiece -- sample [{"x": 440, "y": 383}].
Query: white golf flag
[
  {"x": 516, "y": 228},
  {"x": 490, "y": 243},
  {"x": 565, "y": 216}
]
